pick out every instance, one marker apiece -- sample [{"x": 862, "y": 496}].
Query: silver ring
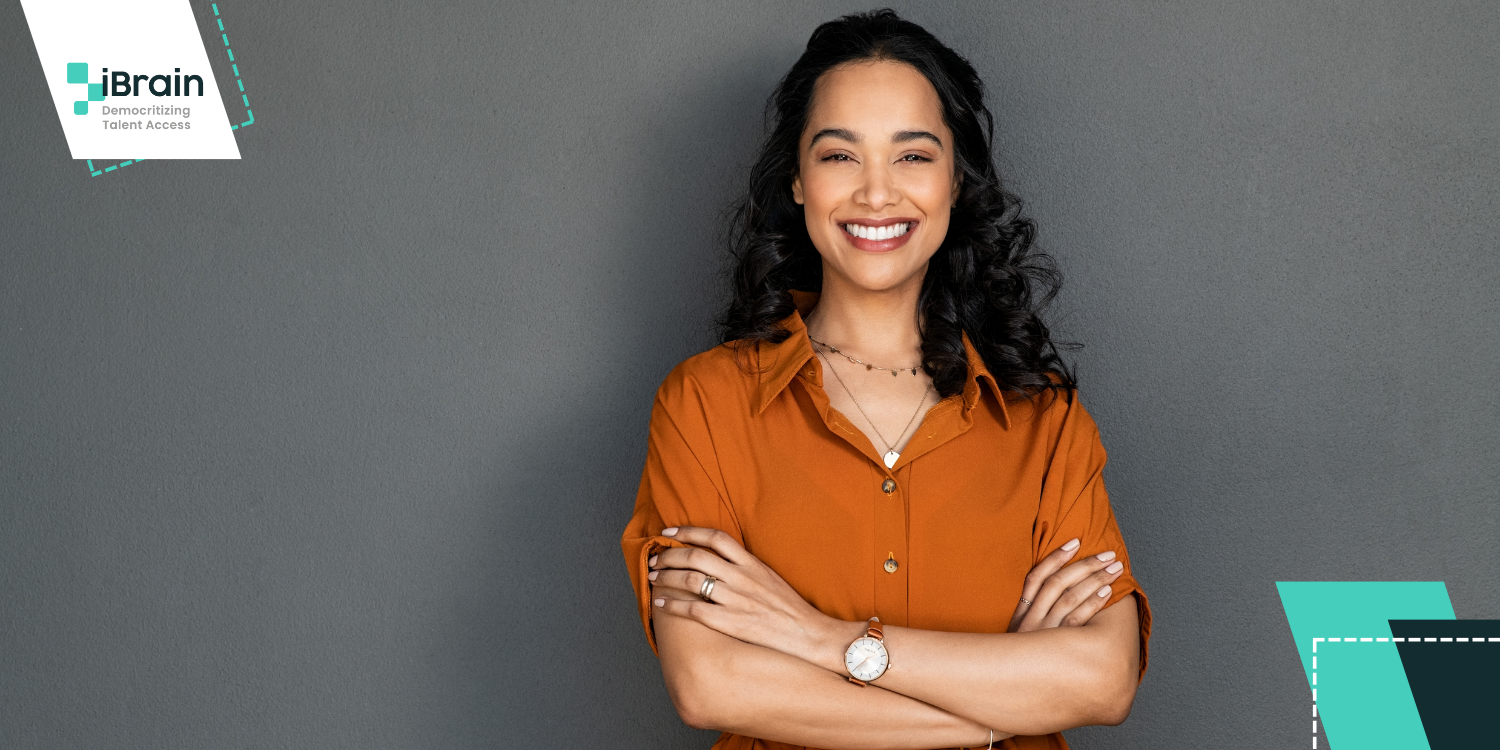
[
  {"x": 707, "y": 589},
  {"x": 1025, "y": 601}
]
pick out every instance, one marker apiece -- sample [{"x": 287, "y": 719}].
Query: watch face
[{"x": 866, "y": 659}]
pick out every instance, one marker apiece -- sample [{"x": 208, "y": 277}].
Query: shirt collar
[{"x": 777, "y": 364}]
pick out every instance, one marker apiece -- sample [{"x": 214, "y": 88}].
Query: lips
[{"x": 878, "y": 235}]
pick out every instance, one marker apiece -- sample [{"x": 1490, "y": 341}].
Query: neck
[{"x": 877, "y": 326}]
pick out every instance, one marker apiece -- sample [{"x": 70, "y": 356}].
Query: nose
[{"x": 879, "y": 190}]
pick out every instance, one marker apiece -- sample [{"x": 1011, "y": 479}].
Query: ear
[{"x": 797, "y": 189}]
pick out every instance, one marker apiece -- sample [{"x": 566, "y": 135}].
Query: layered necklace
[
  {"x": 891, "y": 456},
  {"x": 894, "y": 371}
]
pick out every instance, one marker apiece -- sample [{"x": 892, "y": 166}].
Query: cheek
[
  {"x": 933, "y": 194},
  {"x": 821, "y": 196},
  {"x": 821, "y": 192}
]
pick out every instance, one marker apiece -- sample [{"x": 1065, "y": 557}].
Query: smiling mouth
[{"x": 878, "y": 233}]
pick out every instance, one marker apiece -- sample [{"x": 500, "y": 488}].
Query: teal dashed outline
[
  {"x": 238, "y": 81},
  {"x": 97, "y": 172},
  {"x": 236, "y": 66}
]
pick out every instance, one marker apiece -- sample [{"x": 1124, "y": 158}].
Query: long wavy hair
[{"x": 984, "y": 280}]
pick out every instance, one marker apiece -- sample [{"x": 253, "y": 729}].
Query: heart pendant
[{"x": 890, "y": 459}]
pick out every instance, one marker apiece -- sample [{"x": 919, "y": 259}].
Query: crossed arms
[{"x": 762, "y": 662}]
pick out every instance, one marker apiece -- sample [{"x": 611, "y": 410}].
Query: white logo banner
[{"x": 130, "y": 79}]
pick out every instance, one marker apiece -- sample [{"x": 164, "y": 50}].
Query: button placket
[{"x": 890, "y": 548}]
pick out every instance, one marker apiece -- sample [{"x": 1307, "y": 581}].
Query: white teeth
[{"x": 877, "y": 233}]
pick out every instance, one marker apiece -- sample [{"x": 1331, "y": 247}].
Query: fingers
[
  {"x": 1085, "y": 598},
  {"x": 687, "y": 583},
  {"x": 714, "y": 539},
  {"x": 1038, "y": 575},
  {"x": 692, "y": 558},
  {"x": 1061, "y": 582},
  {"x": 1093, "y": 601},
  {"x": 692, "y": 608}
]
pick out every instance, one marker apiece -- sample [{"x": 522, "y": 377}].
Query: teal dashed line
[
  {"x": 96, "y": 172},
  {"x": 237, "y": 80}
]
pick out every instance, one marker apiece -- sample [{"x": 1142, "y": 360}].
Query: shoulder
[
  {"x": 1055, "y": 411},
  {"x": 718, "y": 377}
]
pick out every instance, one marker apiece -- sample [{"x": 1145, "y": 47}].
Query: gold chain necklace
[
  {"x": 891, "y": 455},
  {"x": 894, "y": 371}
]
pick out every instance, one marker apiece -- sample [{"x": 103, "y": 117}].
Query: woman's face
[{"x": 876, "y": 174}]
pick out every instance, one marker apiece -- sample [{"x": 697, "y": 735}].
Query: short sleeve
[
  {"x": 1074, "y": 503},
  {"x": 681, "y": 485}
]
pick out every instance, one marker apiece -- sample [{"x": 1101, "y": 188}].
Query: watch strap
[{"x": 873, "y": 630}]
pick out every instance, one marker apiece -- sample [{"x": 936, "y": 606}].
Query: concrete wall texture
[{"x": 331, "y": 447}]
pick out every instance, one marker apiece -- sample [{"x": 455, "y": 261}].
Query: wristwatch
[{"x": 866, "y": 658}]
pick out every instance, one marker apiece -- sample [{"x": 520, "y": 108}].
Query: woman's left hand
[{"x": 749, "y": 600}]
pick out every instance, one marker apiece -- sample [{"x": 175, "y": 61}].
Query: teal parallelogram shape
[{"x": 1363, "y": 700}]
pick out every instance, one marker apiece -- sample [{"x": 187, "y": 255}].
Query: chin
[
  {"x": 881, "y": 274},
  {"x": 883, "y": 282}
]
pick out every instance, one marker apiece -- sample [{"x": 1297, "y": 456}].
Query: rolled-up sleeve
[
  {"x": 1074, "y": 504},
  {"x": 681, "y": 485}
]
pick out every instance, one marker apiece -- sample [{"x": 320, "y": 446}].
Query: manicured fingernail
[
  {"x": 1104, "y": 591},
  {"x": 652, "y": 561},
  {"x": 669, "y": 532},
  {"x": 1117, "y": 567},
  {"x": 1070, "y": 546},
  {"x": 652, "y": 575},
  {"x": 660, "y": 602},
  {"x": 1106, "y": 556}
]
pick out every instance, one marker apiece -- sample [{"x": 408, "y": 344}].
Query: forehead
[{"x": 875, "y": 97}]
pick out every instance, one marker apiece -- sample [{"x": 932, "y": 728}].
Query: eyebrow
[
  {"x": 839, "y": 133},
  {"x": 900, "y": 137},
  {"x": 917, "y": 135}
]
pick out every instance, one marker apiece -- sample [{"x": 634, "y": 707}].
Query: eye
[
  {"x": 836, "y": 157},
  {"x": 913, "y": 158}
]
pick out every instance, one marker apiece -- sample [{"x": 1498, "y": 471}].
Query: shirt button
[
  {"x": 888, "y": 485},
  {"x": 890, "y": 565}
]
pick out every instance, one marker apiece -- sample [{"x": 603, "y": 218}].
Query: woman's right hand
[{"x": 1060, "y": 594}]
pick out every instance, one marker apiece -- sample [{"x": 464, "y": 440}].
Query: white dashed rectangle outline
[{"x": 1316, "y": 641}]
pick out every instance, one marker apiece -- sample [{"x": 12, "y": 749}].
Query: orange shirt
[{"x": 989, "y": 484}]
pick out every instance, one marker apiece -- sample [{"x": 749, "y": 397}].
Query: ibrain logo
[{"x": 121, "y": 83}]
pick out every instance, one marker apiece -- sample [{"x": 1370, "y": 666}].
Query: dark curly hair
[{"x": 984, "y": 280}]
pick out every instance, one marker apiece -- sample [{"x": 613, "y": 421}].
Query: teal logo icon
[{"x": 79, "y": 73}]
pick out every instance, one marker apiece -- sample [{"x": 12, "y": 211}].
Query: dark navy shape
[{"x": 1456, "y": 683}]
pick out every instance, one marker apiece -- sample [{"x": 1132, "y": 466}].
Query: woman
[{"x": 874, "y": 517}]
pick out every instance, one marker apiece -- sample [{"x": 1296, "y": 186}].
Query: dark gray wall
[{"x": 331, "y": 447}]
